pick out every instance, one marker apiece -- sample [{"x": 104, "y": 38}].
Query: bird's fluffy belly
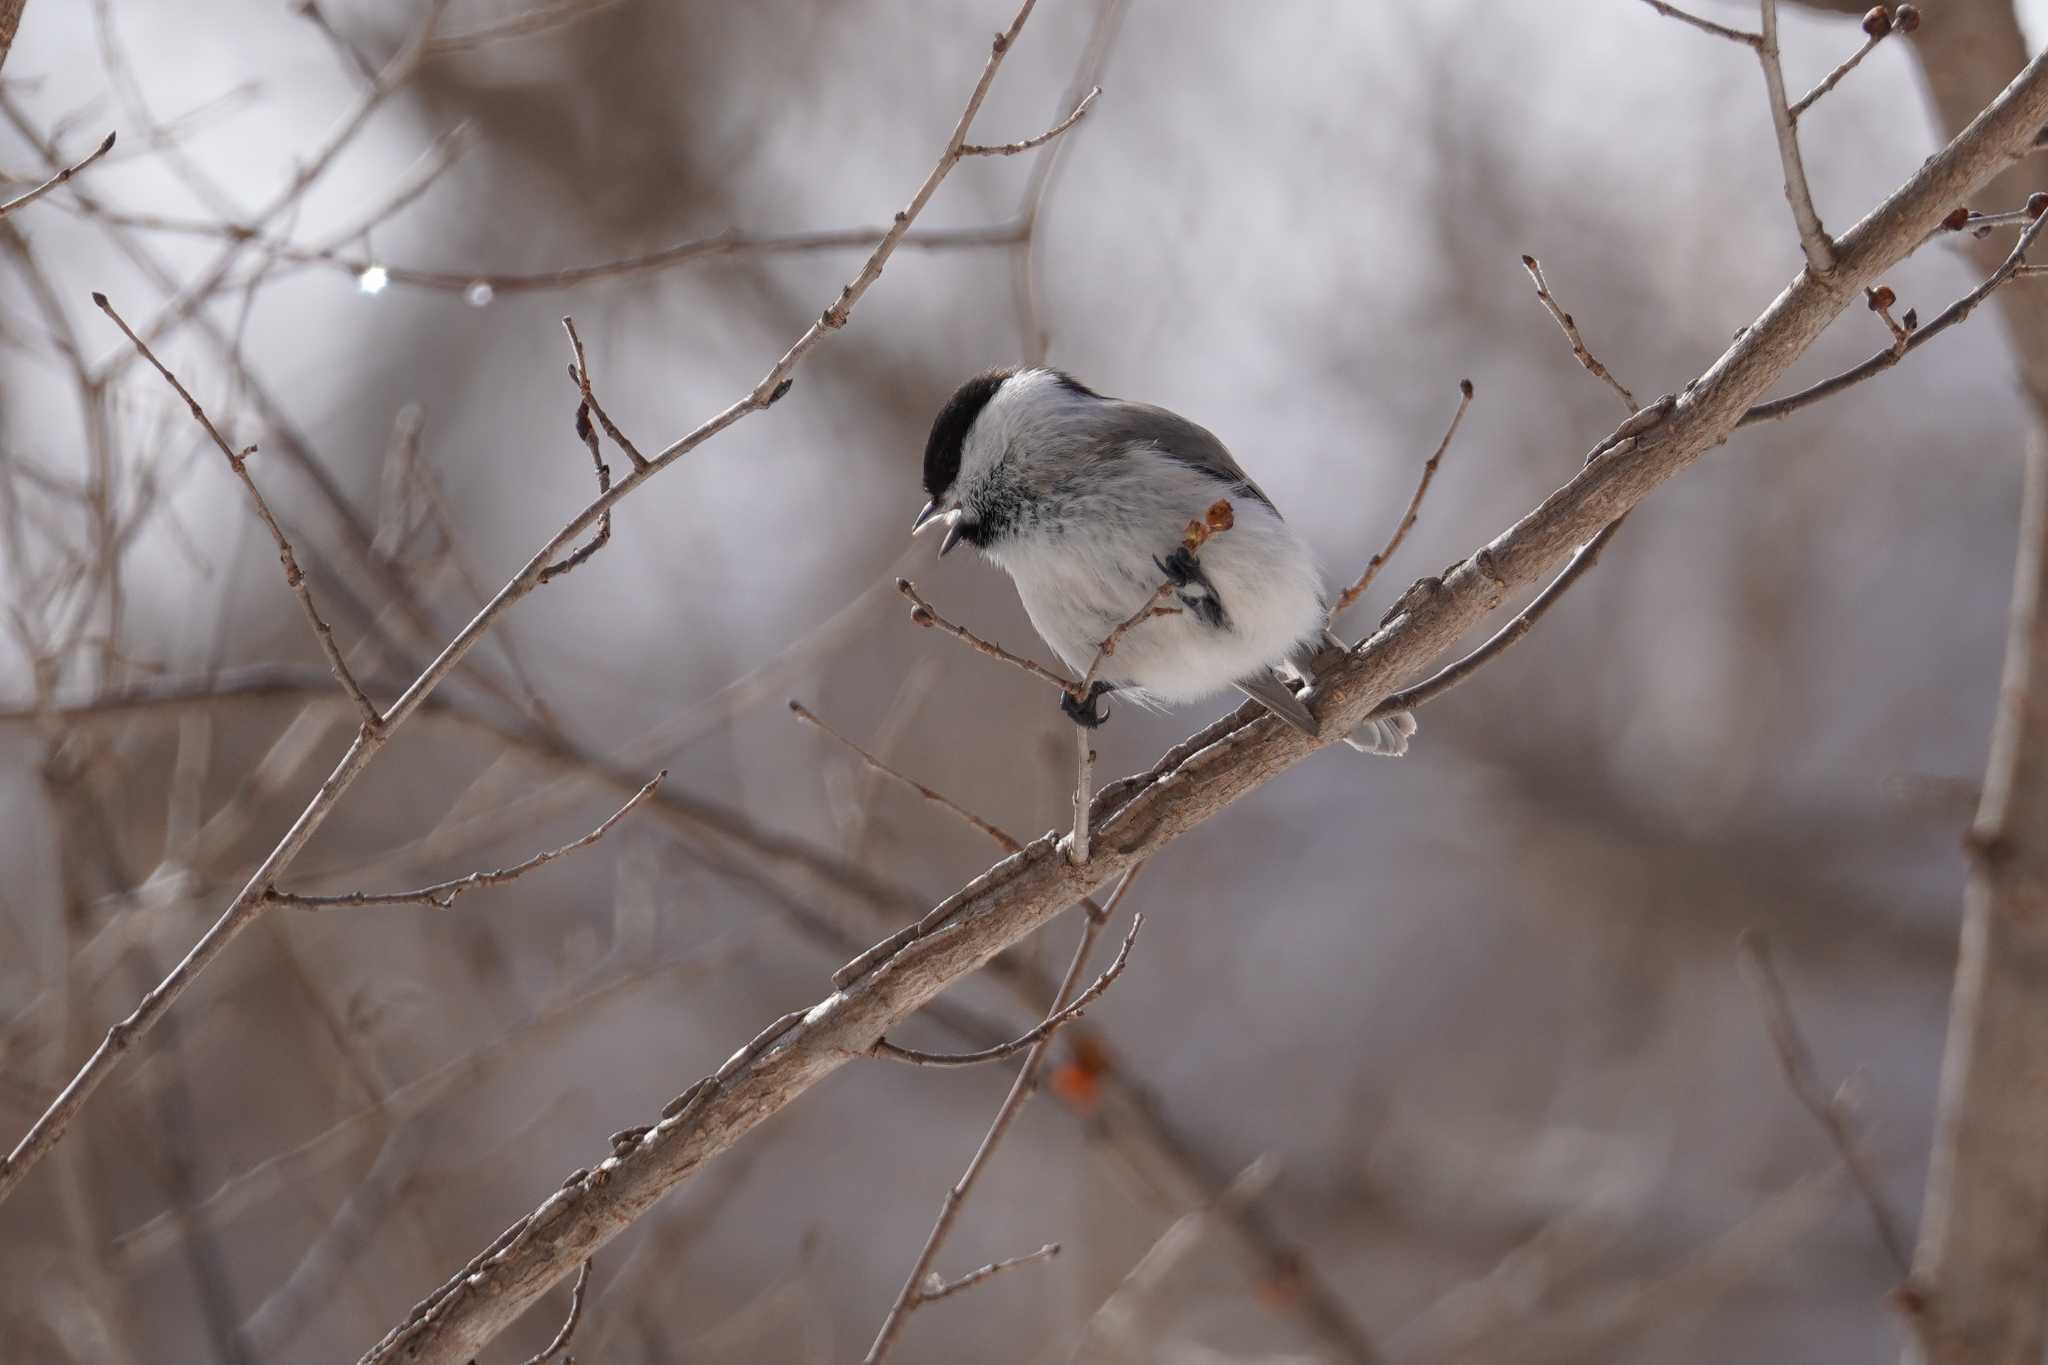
[{"x": 1078, "y": 589}]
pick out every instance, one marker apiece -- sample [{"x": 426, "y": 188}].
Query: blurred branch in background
[{"x": 1452, "y": 959}]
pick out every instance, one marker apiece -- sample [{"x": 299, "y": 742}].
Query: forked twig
[
  {"x": 441, "y": 895},
  {"x": 912, "y": 1293},
  {"x": 294, "y": 576}
]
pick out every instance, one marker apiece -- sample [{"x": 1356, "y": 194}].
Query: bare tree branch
[
  {"x": 441, "y": 895},
  {"x": 1001, "y": 838},
  {"x": 933, "y": 1293},
  {"x": 1733, "y": 35},
  {"x": 1877, "y": 26},
  {"x": 294, "y": 576},
  {"x": 1893, "y": 354},
  {"x": 1350, "y": 595},
  {"x": 1571, "y": 334},
  {"x": 1013, "y": 148},
  {"x": 1052, "y": 1024},
  {"x": 579, "y": 373},
  {"x": 1138, "y": 818},
  {"x": 1813, "y": 238},
  {"x": 250, "y": 903},
  {"x": 60, "y": 177},
  {"x": 923, "y": 613}
]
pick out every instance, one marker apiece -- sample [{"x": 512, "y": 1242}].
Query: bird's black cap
[{"x": 950, "y": 427}]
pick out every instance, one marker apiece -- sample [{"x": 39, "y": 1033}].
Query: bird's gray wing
[
  {"x": 1179, "y": 439},
  {"x": 1273, "y": 694}
]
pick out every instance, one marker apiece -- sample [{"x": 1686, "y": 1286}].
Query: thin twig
[
  {"x": 912, "y": 1293},
  {"x": 59, "y": 178},
  {"x": 1813, "y": 238},
  {"x": 588, "y": 435},
  {"x": 1795, "y": 1059},
  {"x": 1001, "y": 838},
  {"x": 419, "y": 1335},
  {"x": 1373, "y": 566},
  {"x": 1079, "y": 690},
  {"x": 294, "y": 576},
  {"x": 581, "y": 375},
  {"x": 725, "y": 244},
  {"x": 441, "y": 895},
  {"x": 1046, "y": 1028},
  {"x": 1442, "y": 681},
  {"x": 561, "y": 1341},
  {"x": 923, "y": 613},
  {"x": 540, "y": 19},
  {"x": 1013, "y": 148},
  {"x": 1084, "y": 791},
  {"x": 1733, "y": 35},
  {"x": 1876, "y": 32},
  {"x": 974, "y": 1277},
  {"x": 1571, "y": 333}
]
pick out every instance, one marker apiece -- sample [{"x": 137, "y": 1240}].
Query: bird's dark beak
[{"x": 951, "y": 517}]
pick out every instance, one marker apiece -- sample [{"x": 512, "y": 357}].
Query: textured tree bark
[
  {"x": 10, "y": 20},
  {"x": 1980, "y": 1278}
]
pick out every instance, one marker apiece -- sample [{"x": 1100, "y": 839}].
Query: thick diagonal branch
[{"x": 1135, "y": 820}]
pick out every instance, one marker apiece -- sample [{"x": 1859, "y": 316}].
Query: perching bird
[{"x": 1084, "y": 500}]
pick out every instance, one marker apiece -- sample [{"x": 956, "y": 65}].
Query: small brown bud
[
  {"x": 1911, "y": 320},
  {"x": 1905, "y": 19},
  {"x": 1881, "y": 298},
  {"x": 1220, "y": 517},
  {"x": 2037, "y": 204},
  {"x": 1878, "y": 22},
  {"x": 1957, "y": 221},
  {"x": 921, "y": 616},
  {"x": 1465, "y": 387}
]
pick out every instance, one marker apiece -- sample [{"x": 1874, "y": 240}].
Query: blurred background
[{"x": 1458, "y": 1051}]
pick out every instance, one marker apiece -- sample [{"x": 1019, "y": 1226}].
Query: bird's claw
[
  {"x": 1179, "y": 567},
  {"x": 1086, "y": 714}
]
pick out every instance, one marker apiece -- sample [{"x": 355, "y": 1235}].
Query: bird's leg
[{"x": 1086, "y": 714}]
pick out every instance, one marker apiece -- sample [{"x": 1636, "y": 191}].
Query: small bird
[{"x": 1084, "y": 500}]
